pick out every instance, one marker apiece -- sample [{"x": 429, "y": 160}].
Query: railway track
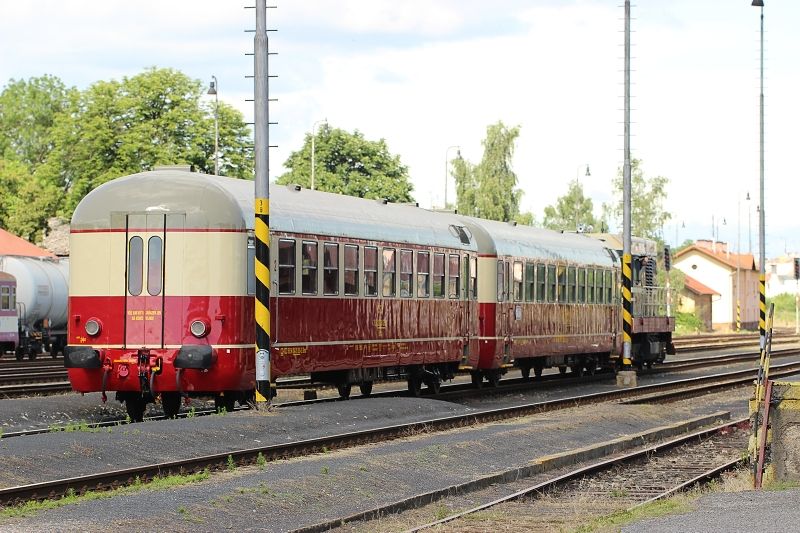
[
  {"x": 114, "y": 478},
  {"x": 625, "y": 481}
]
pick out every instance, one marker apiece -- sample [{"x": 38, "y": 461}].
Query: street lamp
[
  {"x": 578, "y": 182},
  {"x": 212, "y": 89},
  {"x": 314, "y": 149},
  {"x": 761, "y": 246},
  {"x": 446, "y": 167}
]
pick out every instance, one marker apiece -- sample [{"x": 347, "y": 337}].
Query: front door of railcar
[{"x": 144, "y": 281}]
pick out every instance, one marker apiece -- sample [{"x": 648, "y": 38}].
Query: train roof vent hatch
[
  {"x": 294, "y": 187},
  {"x": 461, "y": 232},
  {"x": 383, "y": 201},
  {"x": 613, "y": 255}
]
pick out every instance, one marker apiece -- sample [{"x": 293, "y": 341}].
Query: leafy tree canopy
[
  {"x": 155, "y": 118},
  {"x": 489, "y": 189},
  {"x": 27, "y": 112},
  {"x": 572, "y": 211},
  {"x": 23, "y": 200},
  {"x": 647, "y": 203},
  {"x": 347, "y": 163}
]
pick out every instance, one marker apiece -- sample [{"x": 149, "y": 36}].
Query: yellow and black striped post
[
  {"x": 627, "y": 311},
  {"x": 738, "y": 316},
  {"x": 762, "y": 310},
  {"x": 263, "y": 374}
]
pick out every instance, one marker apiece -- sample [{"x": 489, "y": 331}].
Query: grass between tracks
[{"x": 159, "y": 483}]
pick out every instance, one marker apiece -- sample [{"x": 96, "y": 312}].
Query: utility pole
[
  {"x": 762, "y": 319},
  {"x": 261, "y": 141},
  {"x": 627, "y": 302}
]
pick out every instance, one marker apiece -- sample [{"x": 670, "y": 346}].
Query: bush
[{"x": 688, "y": 323}]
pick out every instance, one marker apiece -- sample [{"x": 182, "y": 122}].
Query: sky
[{"x": 427, "y": 75}]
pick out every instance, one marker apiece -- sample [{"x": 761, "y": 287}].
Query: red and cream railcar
[
  {"x": 545, "y": 299},
  {"x": 162, "y": 285}
]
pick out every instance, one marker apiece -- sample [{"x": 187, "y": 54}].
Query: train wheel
[
  {"x": 526, "y": 372},
  {"x": 578, "y": 370},
  {"x": 414, "y": 385},
  {"x": 171, "y": 402},
  {"x": 135, "y": 408},
  {"x": 435, "y": 386},
  {"x": 344, "y": 390},
  {"x": 32, "y": 355},
  {"x": 538, "y": 368},
  {"x": 494, "y": 378},
  {"x": 591, "y": 366},
  {"x": 562, "y": 370},
  {"x": 365, "y": 388},
  {"x": 225, "y": 401},
  {"x": 19, "y": 354},
  {"x": 477, "y": 379}
]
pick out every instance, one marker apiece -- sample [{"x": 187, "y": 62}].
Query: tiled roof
[
  {"x": 696, "y": 287},
  {"x": 12, "y": 245},
  {"x": 744, "y": 261}
]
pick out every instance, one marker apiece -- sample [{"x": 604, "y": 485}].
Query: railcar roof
[
  {"x": 226, "y": 203},
  {"x": 539, "y": 243}
]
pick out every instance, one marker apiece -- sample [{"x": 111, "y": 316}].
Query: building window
[
  {"x": 286, "y": 266},
  {"x": 135, "y": 258},
  {"x": 389, "y": 272},
  {"x": 406, "y": 273},
  {"x": 438, "y": 275},
  {"x": 310, "y": 262},
  {"x": 423, "y": 274},
  {"x": 330, "y": 273},
  {"x": 517, "y": 281},
  {"x": 370, "y": 271},
  {"x": 351, "y": 270},
  {"x": 454, "y": 286}
]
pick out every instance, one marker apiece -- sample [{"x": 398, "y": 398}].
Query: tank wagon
[
  {"x": 40, "y": 302},
  {"x": 9, "y": 331},
  {"x": 162, "y": 288}
]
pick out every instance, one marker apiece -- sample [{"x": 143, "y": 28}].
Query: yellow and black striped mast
[
  {"x": 261, "y": 142},
  {"x": 627, "y": 299}
]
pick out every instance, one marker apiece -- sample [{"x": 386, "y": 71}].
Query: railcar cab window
[
  {"x": 590, "y": 286},
  {"x": 330, "y": 278},
  {"x": 473, "y": 273},
  {"x": 454, "y": 283},
  {"x": 517, "y": 281},
  {"x": 582, "y": 285},
  {"x": 423, "y": 274},
  {"x": 135, "y": 258},
  {"x": 551, "y": 283},
  {"x": 370, "y": 271},
  {"x": 438, "y": 275},
  {"x": 389, "y": 272},
  {"x": 154, "y": 266},
  {"x": 351, "y": 270},
  {"x": 286, "y": 266},
  {"x": 609, "y": 286},
  {"x": 562, "y": 283},
  {"x": 310, "y": 261},
  {"x": 406, "y": 273}
]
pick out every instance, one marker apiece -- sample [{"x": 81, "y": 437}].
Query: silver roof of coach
[{"x": 226, "y": 203}]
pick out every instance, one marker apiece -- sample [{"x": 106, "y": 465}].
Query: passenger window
[
  {"x": 609, "y": 287},
  {"x": 517, "y": 281},
  {"x": 473, "y": 272},
  {"x": 351, "y": 270},
  {"x": 561, "y": 274},
  {"x": 438, "y": 275},
  {"x": 5, "y": 298},
  {"x": 590, "y": 286},
  {"x": 423, "y": 274},
  {"x": 615, "y": 280},
  {"x": 330, "y": 272},
  {"x": 135, "y": 258},
  {"x": 454, "y": 286},
  {"x": 286, "y": 266},
  {"x": 551, "y": 283},
  {"x": 571, "y": 277},
  {"x": 530, "y": 282},
  {"x": 541, "y": 282},
  {"x": 370, "y": 271},
  {"x": 582, "y": 285},
  {"x": 310, "y": 261},
  {"x": 406, "y": 273},
  {"x": 389, "y": 272},
  {"x": 154, "y": 266},
  {"x": 600, "y": 292},
  {"x": 500, "y": 282}
]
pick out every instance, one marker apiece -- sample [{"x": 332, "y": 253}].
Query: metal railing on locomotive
[{"x": 651, "y": 301}]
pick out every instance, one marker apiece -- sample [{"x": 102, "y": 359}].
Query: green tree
[
  {"x": 347, "y": 163},
  {"x": 157, "y": 117},
  {"x": 488, "y": 189},
  {"x": 647, "y": 203},
  {"x": 25, "y": 201},
  {"x": 573, "y": 210},
  {"x": 27, "y": 113}
]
